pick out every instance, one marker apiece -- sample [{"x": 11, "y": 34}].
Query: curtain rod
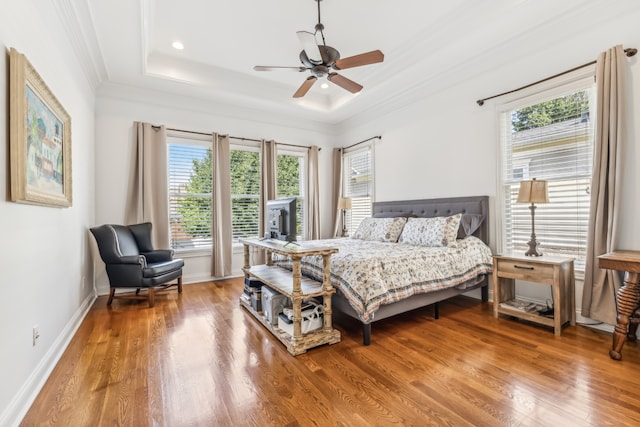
[
  {"x": 278, "y": 143},
  {"x": 629, "y": 52},
  {"x": 234, "y": 137},
  {"x": 362, "y": 142}
]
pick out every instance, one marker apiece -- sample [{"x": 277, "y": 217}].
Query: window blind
[
  {"x": 549, "y": 139},
  {"x": 189, "y": 195},
  {"x": 358, "y": 184},
  {"x": 291, "y": 182},
  {"x": 245, "y": 191}
]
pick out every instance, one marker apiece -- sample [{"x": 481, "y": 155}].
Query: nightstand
[{"x": 552, "y": 271}]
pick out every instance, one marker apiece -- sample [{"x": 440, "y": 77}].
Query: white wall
[
  {"x": 44, "y": 251},
  {"x": 117, "y": 109}
]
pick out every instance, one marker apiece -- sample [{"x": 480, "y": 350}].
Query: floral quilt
[{"x": 370, "y": 273}]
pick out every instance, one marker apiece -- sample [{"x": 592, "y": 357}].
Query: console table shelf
[
  {"x": 296, "y": 287},
  {"x": 279, "y": 279}
]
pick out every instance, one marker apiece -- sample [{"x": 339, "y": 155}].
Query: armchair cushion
[{"x": 161, "y": 268}]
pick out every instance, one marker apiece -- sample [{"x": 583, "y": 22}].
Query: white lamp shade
[
  {"x": 344, "y": 203},
  {"x": 533, "y": 191}
]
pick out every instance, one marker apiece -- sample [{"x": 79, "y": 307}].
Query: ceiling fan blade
[
  {"x": 277, "y": 68},
  {"x": 357, "y": 60},
  {"x": 310, "y": 46},
  {"x": 306, "y": 85},
  {"x": 344, "y": 82}
]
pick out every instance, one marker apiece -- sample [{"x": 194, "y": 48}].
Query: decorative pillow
[
  {"x": 393, "y": 215},
  {"x": 469, "y": 223},
  {"x": 436, "y": 232},
  {"x": 380, "y": 229}
]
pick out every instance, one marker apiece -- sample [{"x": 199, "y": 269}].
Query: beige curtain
[
  {"x": 221, "y": 218},
  {"x": 336, "y": 191},
  {"x": 313, "y": 224},
  {"x": 268, "y": 159},
  {"x": 600, "y": 286},
  {"x": 147, "y": 197}
]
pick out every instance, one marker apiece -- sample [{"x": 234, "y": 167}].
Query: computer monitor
[{"x": 281, "y": 219}]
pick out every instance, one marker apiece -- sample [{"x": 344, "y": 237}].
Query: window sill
[{"x": 192, "y": 253}]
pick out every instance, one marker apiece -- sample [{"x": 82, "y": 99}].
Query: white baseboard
[
  {"x": 24, "y": 398},
  {"x": 186, "y": 280}
]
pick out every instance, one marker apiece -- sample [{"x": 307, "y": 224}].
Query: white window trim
[
  {"x": 361, "y": 148},
  {"x": 253, "y": 146},
  {"x": 303, "y": 152},
  {"x": 562, "y": 84},
  {"x": 197, "y": 139}
]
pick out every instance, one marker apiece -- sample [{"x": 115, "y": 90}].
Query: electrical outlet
[{"x": 36, "y": 334}]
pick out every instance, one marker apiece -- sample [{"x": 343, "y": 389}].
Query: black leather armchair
[{"x": 132, "y": 262}]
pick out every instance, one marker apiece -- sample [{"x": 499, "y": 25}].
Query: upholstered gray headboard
[{"x": 428, "y": 208}]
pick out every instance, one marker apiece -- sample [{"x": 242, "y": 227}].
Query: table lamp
[
  {"x": 533, "y": 191},
  {"x": 344, "y": 204}
]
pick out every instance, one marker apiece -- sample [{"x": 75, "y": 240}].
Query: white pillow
[
  {"x": 380, "y": 229},
  {"x": 436, "y": 232}
]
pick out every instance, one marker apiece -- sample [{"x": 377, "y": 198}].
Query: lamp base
[
  {"x": 533, "y": 243},
  {"x": 345, "y": 232},
  {"x": 533, "y": 248}
]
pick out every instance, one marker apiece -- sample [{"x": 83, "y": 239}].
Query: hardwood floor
[{"x": 200, "y": 360}]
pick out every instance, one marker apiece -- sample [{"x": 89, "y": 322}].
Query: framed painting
[{"x": 40, "y": 139}]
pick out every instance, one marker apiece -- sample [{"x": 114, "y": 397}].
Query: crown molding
[
  {"x": 78, "y": 24},
  {"x": 227, "y": 107}
]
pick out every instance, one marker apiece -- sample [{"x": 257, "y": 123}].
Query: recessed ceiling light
[
  {"x": 324, "y": 85},
  {"x": 177, "y": 45}
]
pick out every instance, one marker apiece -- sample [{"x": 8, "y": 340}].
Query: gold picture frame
[{"x": 40, "y": 139}]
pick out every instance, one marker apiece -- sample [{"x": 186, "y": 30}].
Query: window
[
  {"x": 549, "y": 137},
  {"x": 245, "y": 191},
  {"x": 357, "y": 167},
  {"x": 290, "y": 177},
  {"x": 189, "y": 193}
]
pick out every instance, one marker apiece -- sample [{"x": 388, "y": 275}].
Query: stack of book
[{"x": 520, "y": 305}]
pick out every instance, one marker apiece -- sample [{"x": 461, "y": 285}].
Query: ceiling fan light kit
[{"x": 321, "y": 59}]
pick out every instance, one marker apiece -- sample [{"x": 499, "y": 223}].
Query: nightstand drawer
[{"x": 525, "y": 270}]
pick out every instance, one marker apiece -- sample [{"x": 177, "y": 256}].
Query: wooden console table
[
  {"x": 296, "y": 287},
  {"x": 628, "y": 296}
]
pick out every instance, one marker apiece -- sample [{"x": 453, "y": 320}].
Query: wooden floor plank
[{"x": 198, "y": 359}]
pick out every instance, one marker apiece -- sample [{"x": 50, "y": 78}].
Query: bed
[{"x": 379, "y": 279}]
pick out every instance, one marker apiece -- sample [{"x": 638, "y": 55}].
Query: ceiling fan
[{"x": 320, "y": 59}]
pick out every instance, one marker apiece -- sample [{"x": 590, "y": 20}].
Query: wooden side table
[
  {"x": 628, "y": 296},
  {"x": 553, "y": 271}
]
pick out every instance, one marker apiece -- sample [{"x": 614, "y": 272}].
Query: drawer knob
[{"x": 521, "y": 267}]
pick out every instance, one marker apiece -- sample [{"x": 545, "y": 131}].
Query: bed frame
[{"x": 425, "y": 208}]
